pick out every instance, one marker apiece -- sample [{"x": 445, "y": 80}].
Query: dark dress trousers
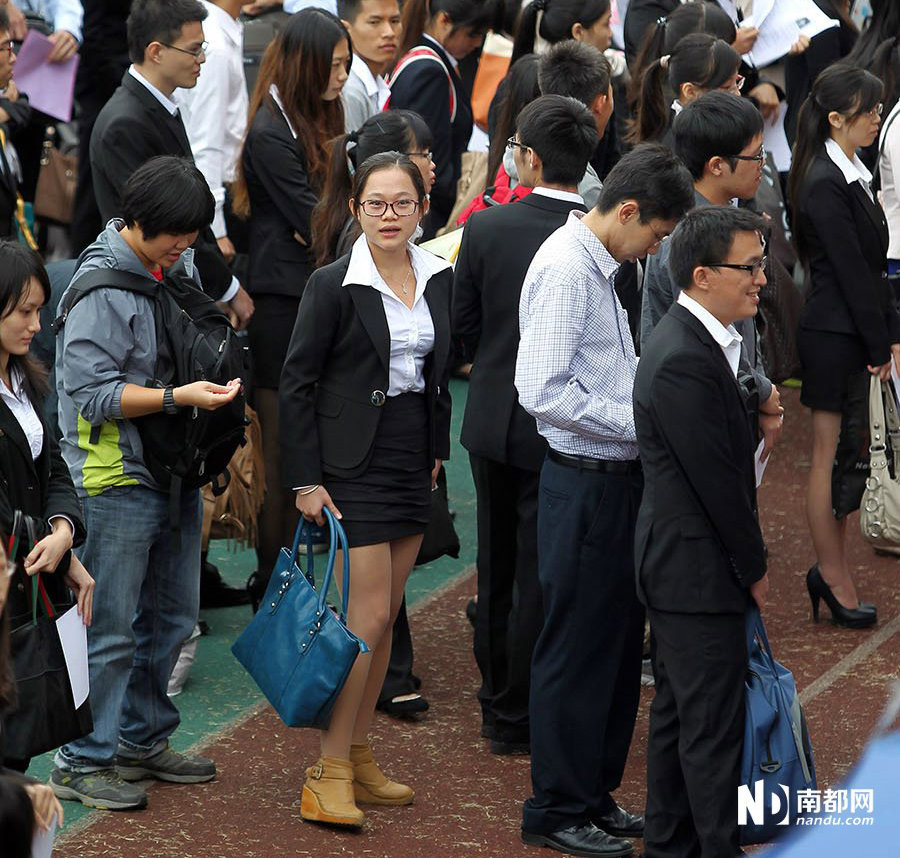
[
  {"x": 40, "y": 488},
  {"x": 336, "y": 373},
  {"x": 132, "y": 128},
  {"x": 505, "y": 450},
  {"x": 698, "y": 549}
]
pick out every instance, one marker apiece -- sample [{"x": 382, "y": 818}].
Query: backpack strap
[
  {"x": 423, "y": 52},
  {"x": 102, "y": 278}
]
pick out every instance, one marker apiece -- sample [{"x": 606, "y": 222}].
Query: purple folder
[{"x": 50, "y": 87}]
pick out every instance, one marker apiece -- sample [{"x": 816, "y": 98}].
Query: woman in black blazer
[
  {"x": 295, "y": 110},
  {"x": 33, "y": 476},
  {"x": 365, "y": 417},
  {"x": 849, "y": 323},
  {"x": 436, "y": 35}
]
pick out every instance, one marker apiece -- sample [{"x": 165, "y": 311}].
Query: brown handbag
[{"x": 54, "y": 197}]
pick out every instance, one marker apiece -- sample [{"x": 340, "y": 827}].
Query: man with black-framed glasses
[
  {"x": 9, "y": 183},
  {"x": 699, "y": 552}
]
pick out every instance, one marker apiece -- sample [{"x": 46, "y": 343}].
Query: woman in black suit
[
  {"x": 848, "y": 323},
  {"x": 436, "y": 35},
  {"x": 365, "y": 416},
  {"x": 33, "y": 476},
  {"x": 294, "y": 111}
]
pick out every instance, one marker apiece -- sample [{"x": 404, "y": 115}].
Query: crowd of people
[{"x": 621, "y": 248}]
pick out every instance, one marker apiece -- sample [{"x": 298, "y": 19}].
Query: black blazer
[
  {"x": 39, "y": 487},
  {"x": 497, "y": 247},
  {"x": 424, "y": 88},
  {"x": 336, "y": 373},
  {"x": 698, "y": 546},
  {"x": 281, "y": 202},
  {"x": 844, "y": 236},
  {"x": 8, "y": 199},
  {"x": 131, "y": 129}
]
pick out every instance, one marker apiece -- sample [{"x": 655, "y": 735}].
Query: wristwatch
[{"x": 169, "y": 406}]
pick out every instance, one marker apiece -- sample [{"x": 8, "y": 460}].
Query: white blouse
[
  {"x": 411, "y": 330},
  {"x": 18, "y": 402}
]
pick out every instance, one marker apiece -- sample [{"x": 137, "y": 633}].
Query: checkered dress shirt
[{"x": 576, "y": 362}]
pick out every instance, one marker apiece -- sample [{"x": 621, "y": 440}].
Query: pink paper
[{"x": 50, "y": 87}]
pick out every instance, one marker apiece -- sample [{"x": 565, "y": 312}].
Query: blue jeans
[{"x": 145, "y": 605}]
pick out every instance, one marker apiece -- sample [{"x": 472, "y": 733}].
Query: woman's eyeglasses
[
  {"x": 428, "y": 156},
  {"x": 401, "y": 208},
  {"x": 512, "y": 143}
]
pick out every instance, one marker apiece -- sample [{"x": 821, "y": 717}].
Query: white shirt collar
[
  {"x": 362, "y": 270},
  {"x": 276, "y": 97},
  {"x": 729, "y": 339},
  {"x": 853, "y": 170},
  {"x": 677, "y": 106},
  {"x": 553, "y": 193},
  {"x": 453, "y": 61},
  {"x": 375, "y": 84},
  {"x": 164, "y": 100},
  {"x": 231, "y": 27}
]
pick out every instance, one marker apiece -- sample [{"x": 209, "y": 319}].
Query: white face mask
[{"x": 509, "y": 164}]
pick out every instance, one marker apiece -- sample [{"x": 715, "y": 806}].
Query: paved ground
[{"x": 468, "y": 802}]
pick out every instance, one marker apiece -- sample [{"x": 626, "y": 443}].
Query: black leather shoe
[
  {"x": 215, "y": 593},
  {"x": 621, "y": 823},
  {"x": 403, "y": 706},
  {"x": 510, "y": 747},
  {"x": 581, "y": 840}
]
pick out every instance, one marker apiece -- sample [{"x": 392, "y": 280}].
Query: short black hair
[
  {"x": 562, "y": 132},
  {"x": 705, "y": 235},
  {"x": 167, "y": 195},
  {"x": 652, "y": 176},
  {"x": 716, "y": 123},
  {"x": 576, "y": 69},
  {"x": 159, "y": 21}
]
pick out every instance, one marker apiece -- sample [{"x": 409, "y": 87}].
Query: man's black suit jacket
[
  {"x": 844, "y": 235},
  {"x": 8, "y": 199},
  {"x": 497, "y": 247},
  {"x": 132, "y": 128},
  {"x": 337, "y": 371},
  {"x": 698, "y": 545}
]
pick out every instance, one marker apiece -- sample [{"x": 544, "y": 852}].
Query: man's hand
[
  {"x": 766, "y": 96},
  {"x": 745, "y": 39},
  {"x": 18, "y": 29},
  {"x": 771, "y": 422},
  {"x": 258, "y": 6},
  {"x": 760, "y": 591},
  {"x": 799, "y": 46},
  {"x": 227, "y": 248},
  {"x": 79, "y": 580},
  {"x": 241, "y": 309},
  {"x": 64, "y": 44},
  {"x": 205, "y": 394}
]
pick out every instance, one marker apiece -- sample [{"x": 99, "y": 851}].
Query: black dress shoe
[
  {"x": 581, "y": 840},
  {"x": 403, "y": 705},
  {"x": 215, "y": 593},
  {"x": 510, "y": 747},
  {"x": 471, "y": 611},
  {"x": 621, "y": 823}
]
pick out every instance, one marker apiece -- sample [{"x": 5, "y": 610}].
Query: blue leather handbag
[
  {"x": 777, "y": 760},
  {"x": 297, "y": 649}
]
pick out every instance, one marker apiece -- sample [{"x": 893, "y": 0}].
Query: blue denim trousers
[{"x": 145, "y": 605}]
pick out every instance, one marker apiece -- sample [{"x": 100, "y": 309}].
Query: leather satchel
[
  {"x": 54, "y": 196},
  {"x": 297, "y": 649},
  {"x": 879, "y": 511}
]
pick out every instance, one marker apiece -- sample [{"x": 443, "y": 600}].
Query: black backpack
[{"x": 195, "y": 342}]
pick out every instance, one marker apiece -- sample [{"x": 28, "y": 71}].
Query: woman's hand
[
  {"x": 766, "y": 96},
  {"x": 745, "y": 39},
  {"x": 311, "y": 505},
  {"x": 435, "y": 471},
  {"x": 883, "y": 371},
  {"x": 799, "y": 46},
  {"x": 206, "y": 395},
  {"x": 79, "y": 580},
  {"x": 45, "y": 556},
  {"x": 45, "y": 805}
]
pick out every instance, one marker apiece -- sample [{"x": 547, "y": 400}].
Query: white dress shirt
[
  {"x": 889, "y": 167},
  {"x": 853, "y": 170},
  {"x": 18, "y": 402},
  {"x": 556, "y": 194},
  {"x": 576, "y": 362},
  {"x": 728, "y": 339},
  {"x": 412, "y": 330},
  {"x": 215, "y": 110},
  {"x": 60, "y": 14},
  {"x": 364, "y": 94},
  {"x": 291, "y": 6}
]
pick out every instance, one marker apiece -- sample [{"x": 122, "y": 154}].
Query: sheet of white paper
[
  {"x": 760, "y": 465},
  {"x": 73, "y": 636},
  {"x": 785, "y": 23},
  {"x": 776, "y": 142},
  {"x": 761, "y": 9},
  {"x": 42, "y": 843}
]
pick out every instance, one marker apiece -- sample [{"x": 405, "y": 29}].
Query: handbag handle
[
  {"x": 879, "y": 424},
  {"x": 336, "y": 535},
  {"x": 756, "y": 629}
]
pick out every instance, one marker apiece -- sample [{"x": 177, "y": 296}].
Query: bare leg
[{"x": 828, "y": 534}]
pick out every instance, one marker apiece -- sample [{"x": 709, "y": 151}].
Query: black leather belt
[{"x": 605, "y": 466}]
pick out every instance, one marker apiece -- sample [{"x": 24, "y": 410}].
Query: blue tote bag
[
  {"x": 777, "y": 760},
  {"x": 297, "y": 649}
]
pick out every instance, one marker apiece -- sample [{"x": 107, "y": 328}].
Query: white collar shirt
[
  {"x": 728, "y": 339},
  {"x": 854, "y": 170},
  {"x": 411, "y": 330},
  {"x": 163, "y": 99},
  {"x": 18, "y": 402},
  {"x": 215, "y": 110},
  {"x": 443, "y": 51},
  {"x": 556, "y": 194},
  {"x": 375, "y": 85},
  {"x": 276, "y": 97},
  {"x": 576, "y": 362}
]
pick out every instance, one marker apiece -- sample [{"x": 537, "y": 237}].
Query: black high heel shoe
[{"x": 851, "y": 618}]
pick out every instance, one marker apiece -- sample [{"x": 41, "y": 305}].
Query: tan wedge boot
[
  {"x": 370, "y": 785},
  {"x": 328, "y": 794}
]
